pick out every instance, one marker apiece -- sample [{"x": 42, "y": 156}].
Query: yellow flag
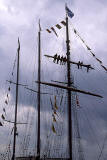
[
  {"x": 54, "y": 119},
  {"x": 53, "y": 128},
  {"x": 55, "y": 104}
]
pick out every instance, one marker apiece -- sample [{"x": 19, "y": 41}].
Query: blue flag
[{"x": 69, "y": 12}]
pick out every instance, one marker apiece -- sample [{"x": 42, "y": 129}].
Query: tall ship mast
[{"x": 69, "y": 82}]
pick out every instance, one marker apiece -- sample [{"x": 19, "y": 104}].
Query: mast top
[
  {"x": 66, "y": 10},
  {"x": 39, "y": 26}
]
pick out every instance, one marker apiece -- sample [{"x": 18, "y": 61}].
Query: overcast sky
[{"x": 20, "y": 19}]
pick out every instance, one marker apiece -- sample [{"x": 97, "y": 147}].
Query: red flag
[{"x": 77, "y": 101}]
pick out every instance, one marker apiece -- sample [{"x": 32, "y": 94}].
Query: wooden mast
[
  {"x": 69, "y": 92},
  {"x": 39, "y": 79},
  {"x": 15, "y": 122}
]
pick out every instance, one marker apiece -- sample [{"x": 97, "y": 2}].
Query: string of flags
[
  {"x": 62, "y": 23},
  {"x": 54, "y": 114},
  {"x": 7, "y": 96},
  {"x": 13, "y": 66},
  {"x": 4, "y": 110},
  {"x": 57, "y": 26},
  {"x": 7, "y": 154},
  {"x": 89, "y": 49},
  {"x": 1, "y": 124},
  {"x": 77, "y": 101}
]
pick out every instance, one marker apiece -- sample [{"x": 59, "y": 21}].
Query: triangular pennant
[
  {"x": 4, "y": 109},
  {"x": 90, "y": 50},
  {"x": 88, "y": 47},
  {"x": 54, "y": 119},
  {"x": 54, "y": 31},
  {"x": 92, "y": 53},
  {"x": 64, "y": 23},
  {"x": 58, "y": 26},
  {"x": 75, "y": 31},
  {"x": 6, "y": 102},
  {"x": 1, "y": 124},
  {"x": 55, "y": 113},
  {"x": 53, "y": 128},
  {"x": 2, "y": 116},
  {"x": 56, "y": 107},
  {"x": 48, "y": 30},
  {"x": 99, "y": 60},
  {"x": 77, "y": 101},
  {"x": 104, "y": 67}
]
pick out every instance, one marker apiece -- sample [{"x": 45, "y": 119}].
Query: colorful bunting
[
  {"x": 88, "y": 47},
  {"x": 104, "y": 67},
  {"x": 54, "y": 119},
  {"x": 58, "y": 26},
  {"x": 75, "y": 31},
  {"x": 6, "y": 102},
  {"x": 55, "y": 113},
  {"x": 53, "y": 128},
  {"x": 1, "y": 124},
  {"x": 56, "y": 107},
  {"x": 48, "y": 30},
  {"x": 4, "y": 109},
  {"x": 2, "y": 116},
  {"x": 99, "y": 60},
  {"x": 77, "y": 101},
  {"x": 92, "y": 53},
  {"x": 64, "y": 23},
  {"x": 54, "y": 31}
]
